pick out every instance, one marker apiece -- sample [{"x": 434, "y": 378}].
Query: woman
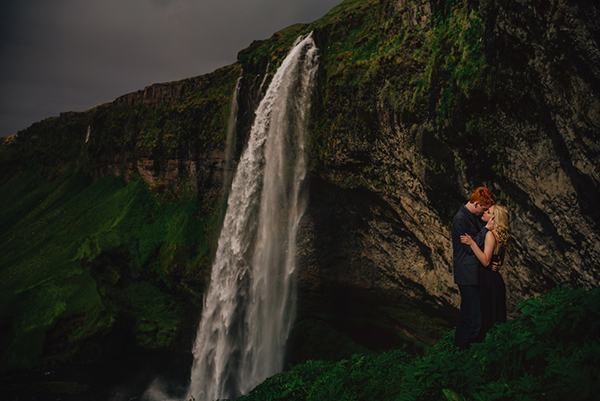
[{"x": 491, "y": 284}]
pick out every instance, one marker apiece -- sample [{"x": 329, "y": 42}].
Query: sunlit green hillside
[{"x": 81, "y": 258}]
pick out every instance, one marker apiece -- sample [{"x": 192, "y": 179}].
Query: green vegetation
[
  {"x": 86, "y": 258},
  {"x": 431, "y": 72},
  {"x": 157, "y": 126},
  {"x": 551, "y": 352},
  {"x": 187, "y": 127},
  {"x": 81, "y": 257}
]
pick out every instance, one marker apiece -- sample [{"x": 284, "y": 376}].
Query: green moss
[
  {"x": 157, "y": 316},
  {"x": 453, "y": 54},
  {"x": 75, "y": 248},
  {"x": 316, "y": 339}
]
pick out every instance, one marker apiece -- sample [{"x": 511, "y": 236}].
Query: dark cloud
[{"x": 64, "y": 55}]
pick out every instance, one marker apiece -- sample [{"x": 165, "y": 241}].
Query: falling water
[
  {"x": 231, "y": 133},
  {"x": 262, "y": 83},
  {"x": 249, "y": 304}
]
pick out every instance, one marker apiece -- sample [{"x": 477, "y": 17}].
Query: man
[{"x": 466, "y": 265}]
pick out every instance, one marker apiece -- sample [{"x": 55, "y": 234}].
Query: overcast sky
[{"x": 72, "y": 55}]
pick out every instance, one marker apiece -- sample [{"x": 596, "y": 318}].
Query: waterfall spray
[{"x": 249, "y": 304}]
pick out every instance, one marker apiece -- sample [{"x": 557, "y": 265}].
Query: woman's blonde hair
[{"x": 501, "y": 225}]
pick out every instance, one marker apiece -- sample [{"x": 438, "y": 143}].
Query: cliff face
[
  {"x": 553, "y": 159},
  {"x": 417, "y": 103},
  {"x": 511, "y": 104}
]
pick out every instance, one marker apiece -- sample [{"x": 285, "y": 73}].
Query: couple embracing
[{"x": 479, "y": 236}]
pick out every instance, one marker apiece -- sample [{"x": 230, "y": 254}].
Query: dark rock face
[
  {"x": 553, "y": 162},
  {"x": 155, "y": 95},
  {"x": 543, "y": 100}
]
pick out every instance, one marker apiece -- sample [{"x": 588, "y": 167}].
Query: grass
[{"x": 76, "y": 248}]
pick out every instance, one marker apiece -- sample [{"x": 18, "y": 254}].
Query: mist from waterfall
[{"x": 249, "y": 306}]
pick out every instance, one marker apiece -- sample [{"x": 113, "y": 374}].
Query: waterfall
[
  {"x": 262, "y": 83},
  {"x": 230, "y": 139},
  {"x": 249, "y": 305}
]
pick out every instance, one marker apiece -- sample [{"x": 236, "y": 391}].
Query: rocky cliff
[
  {"x": 504, "y": 96},
  {"x": 417, "y": 103}
]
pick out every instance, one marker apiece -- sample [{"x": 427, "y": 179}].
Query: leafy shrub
[{"x": 551, "y": 352}]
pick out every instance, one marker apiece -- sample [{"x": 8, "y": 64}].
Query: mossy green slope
[
  {"x": 91, "y": 265},
  {"x": 81, "y": 257}
]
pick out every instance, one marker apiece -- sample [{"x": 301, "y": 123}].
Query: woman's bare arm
[{"x": 485, "y": 257}]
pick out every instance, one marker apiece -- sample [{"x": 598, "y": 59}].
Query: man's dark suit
[{"x": 466, "y": 267}]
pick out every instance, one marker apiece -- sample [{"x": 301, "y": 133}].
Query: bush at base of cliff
[{"x": 551, "y": 352}]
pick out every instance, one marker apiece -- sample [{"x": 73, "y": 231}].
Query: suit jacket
[{"x": 466, "y": 264}]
